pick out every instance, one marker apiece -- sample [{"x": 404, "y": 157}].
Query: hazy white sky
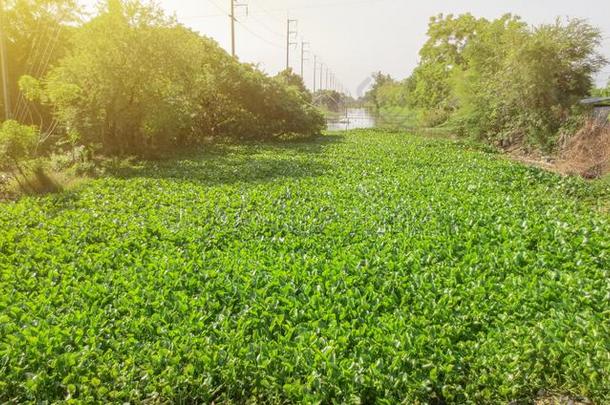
[{"x": 358, "y": 37}]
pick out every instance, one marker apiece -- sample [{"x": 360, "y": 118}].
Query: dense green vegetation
[
  {"x": 360, "y": 267},
  {"x": 131, "y": 80},
  {"x": 37, "y": 35},
  {"x": 602, "y": 92},
  {"x": 331, "y": 101},
  {"x": 502, "y": 81}
]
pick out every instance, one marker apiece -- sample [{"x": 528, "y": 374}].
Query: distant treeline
[
  {"x": 131, "y": 80},
  {"x": 502, "y": 81}
]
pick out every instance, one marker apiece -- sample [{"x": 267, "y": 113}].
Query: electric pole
[
  {"x": 321, "y": 76},
  {"x": 327, "y": 74},
  {"x": 233, "y": 19},
  {"x": 315, "y": 68},
  {"x": 3, "y": 62},
  {"x": 289, "y": 43},
  {"x": 303, "y": 51}
]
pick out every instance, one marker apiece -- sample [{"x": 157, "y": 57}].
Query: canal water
[{"x": 353, "y": 118}]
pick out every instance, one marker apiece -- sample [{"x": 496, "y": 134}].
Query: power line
[
  {"x": 266, "y": 27},
  {"x": 259, "y": 36},
  {"x": 200, "y": 17},
  {"x": 245, "y": 27},
  {"x": 329, "y": 77},
  {"x": 224, "y": 12},
  {"x": 270, "y": 13},
  {"x": 335, "y": 4}
]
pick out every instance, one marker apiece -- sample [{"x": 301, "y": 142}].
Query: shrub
[
  {"x": 17, "y": 142},
  {"x": 114, "y": 91},
  {"x": 503, "y": 81}
]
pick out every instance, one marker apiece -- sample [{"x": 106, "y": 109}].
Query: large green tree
[
  {"x": 379, "y": 80},
  {"x": 503, "y": 80},
  {"x": 289, "y": 78},
  {"x": 37, "y": 35},
  {"x": 522, "y": 84},
  {"x": 137, "y": 81}
]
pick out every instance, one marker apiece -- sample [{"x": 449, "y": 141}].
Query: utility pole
[
  {"x": 315, "y": 68},
  {"x": 327, "y": 74},
  {"x": 303, "y": 51},
  {"x": 3, "y": 62},
  {"x": 289, "y": 43},
  {"x": 322, "y": 76},
  {"x": 233, "y": 19}
]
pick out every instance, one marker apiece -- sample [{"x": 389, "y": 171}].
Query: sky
[{"x": 355, "y": 38}]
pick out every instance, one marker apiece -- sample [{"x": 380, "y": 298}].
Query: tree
[
  {"x": 523, "y": 83},
  {"x": 17, "y": 143},
  {"x": 331, "y": 100},
  {"x": 441, "y": 56},
  {"x": 37, "y": 35},
  {"x": 379, "y": 80},
  {"x": 291, "y": 79},
  {"x": 502, "y": 80},
  {"x": 601, "y": 92},
  {"x": 136, "y": 82}
]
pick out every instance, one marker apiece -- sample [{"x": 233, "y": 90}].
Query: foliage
[
  {"x": 37, "y": 36},
  {"x": 330, "y": 100},
  {"x": 601, "y": 92},
  {"x": 540, "y": 76},
  {"x": 501, "y": 81},
  {"x": 108, "y": 90},
  {"x": 391, "y": 94},
  {"x": 430, "y": 86},
  {"x": 379, "y": 80},
  {"x": 360, "y": 268},
  {"x": 136, "y": 82},
  {"x": 291, "y": 79},
  {"x": 17, "y": 142},
  {"x": 267, "y": 108},
  {"x": 18, "y": 146}
]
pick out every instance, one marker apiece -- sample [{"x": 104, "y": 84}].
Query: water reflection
[{"x": 353, "y": 118}]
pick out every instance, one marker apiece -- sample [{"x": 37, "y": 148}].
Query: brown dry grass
[
  {"x": 37, "y": 181},
  {"x": 587, "y": 153}
]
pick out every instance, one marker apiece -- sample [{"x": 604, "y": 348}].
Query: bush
[
  {"x": 114, "y": 91},
  {"x": 503, "y": 81},
  {"x": 17, "y": 142},
  {"x": 521, "y": 84}
]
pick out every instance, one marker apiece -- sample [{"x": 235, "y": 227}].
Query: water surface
[{"x": 352, "y": 118}]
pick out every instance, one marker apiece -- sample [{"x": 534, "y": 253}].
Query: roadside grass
[
  {"x": 364, "y": 267},
  {"x": 36, "y": 181}
]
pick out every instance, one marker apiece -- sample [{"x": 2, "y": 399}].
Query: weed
[{"x": 371, "y": 268}]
